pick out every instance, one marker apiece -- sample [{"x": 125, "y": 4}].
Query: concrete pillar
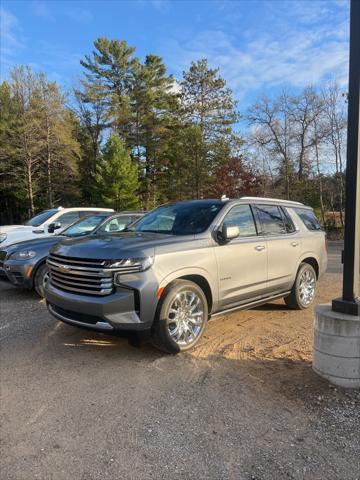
[{"x": 336, "y": 352}]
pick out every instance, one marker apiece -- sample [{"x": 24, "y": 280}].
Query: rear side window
[
  {"x": 289, "y": 226},
  {"x": 309, "y": 219},
  {"x": 241, "y": 216},
  {"x": 271, "y": 219},
  {"x": 68, "y": 218}
]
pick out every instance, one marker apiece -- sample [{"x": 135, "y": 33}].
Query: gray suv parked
[
  {"x": 187, "y": 261},
  {"x": 25, "y": 262}
]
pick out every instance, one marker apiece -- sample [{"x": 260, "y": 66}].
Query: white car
[{"x": 45, "y": 223}]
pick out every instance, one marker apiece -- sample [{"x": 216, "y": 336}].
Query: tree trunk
[
  {"x": 30, "y": 189},
  {"x": 320, "y": 183},
  {"x": 48, "y": 166}
]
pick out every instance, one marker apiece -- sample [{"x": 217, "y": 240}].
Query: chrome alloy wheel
[
  {"x": 185, "y": 318},
  {"x": 307, "y": 284}
]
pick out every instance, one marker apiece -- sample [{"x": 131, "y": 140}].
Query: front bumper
[
  {"x": 131, "y": 307},
  {"x": 19, "y": 274},
  {"x": 3, "y": 255}
]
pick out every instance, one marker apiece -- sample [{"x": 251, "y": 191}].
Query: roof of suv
[
  {"x": 218, "y": 201},
  {"x": 85, "y": 209}
]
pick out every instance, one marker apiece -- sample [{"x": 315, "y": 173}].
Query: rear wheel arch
[{"x": 313, "y": 262}]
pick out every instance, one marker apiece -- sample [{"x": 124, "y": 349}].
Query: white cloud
[
  {"x": 11, "y": 38},
  {"x": 285, "y": 53}
]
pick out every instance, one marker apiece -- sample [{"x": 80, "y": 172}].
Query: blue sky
[{"x": 260, "y": 46}]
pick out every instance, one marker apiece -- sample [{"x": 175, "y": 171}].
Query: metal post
[{"x": 350, "y": 302}]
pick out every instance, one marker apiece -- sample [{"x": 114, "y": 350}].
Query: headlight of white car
[
  {"x": 3, "y": 237},
  {"x": 23, "y": 255}
]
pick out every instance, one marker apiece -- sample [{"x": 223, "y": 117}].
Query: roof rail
[{"x": 268, "y": 199}]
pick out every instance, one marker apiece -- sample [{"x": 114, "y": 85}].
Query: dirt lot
[{"x": 245, "y": 404}]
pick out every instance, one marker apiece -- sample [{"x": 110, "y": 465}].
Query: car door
[
  {"x": 283, "y": 245},
  {"x": 242, "y": 262}
]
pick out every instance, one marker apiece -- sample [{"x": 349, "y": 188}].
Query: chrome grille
[{"x": 77, "y": 275}]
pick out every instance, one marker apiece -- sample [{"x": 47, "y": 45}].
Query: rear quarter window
[{"x": 308, "y": 218}]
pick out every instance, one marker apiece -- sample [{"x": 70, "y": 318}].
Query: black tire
[
  {"x": 40, "y": 279},
  {"x": 296, "y": 299},
  {"x": 161, "y": 336}
]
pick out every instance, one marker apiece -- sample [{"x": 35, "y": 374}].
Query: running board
[{"x": 244, "y": 306}]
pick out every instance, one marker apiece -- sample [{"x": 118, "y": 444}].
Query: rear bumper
[
  {"x": 323, "y": 265},
  {"x": 117, "y": 311}
]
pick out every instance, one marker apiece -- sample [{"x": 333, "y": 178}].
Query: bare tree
[
  {"x": 319, "y": 132},
  {"x": 336, "y": 124},
  {"x": 25, "y": 88},
  {"x": 302, "y": 112},
  {"x": 272, "y": 133}
]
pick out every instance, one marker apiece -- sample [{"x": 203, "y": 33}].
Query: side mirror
[
  {"x": 54, "y": 226},
  {"x": 228, "y": 233}
]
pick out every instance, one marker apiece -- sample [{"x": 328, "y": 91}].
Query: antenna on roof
[{"x": 224, "y": 198}]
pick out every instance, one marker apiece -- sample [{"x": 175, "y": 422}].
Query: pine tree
[
  {"x": 153, "y": 103},
  {"x": 117, "y": 176},
  {"x": 12, "y": 191},
  {"x": 208, "y": 104},
  {"x": 111, "y": 68}
]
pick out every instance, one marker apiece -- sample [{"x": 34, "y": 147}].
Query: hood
[
  {"x": 10, "y": 228},
  {"x": 43, "y": 242},
  {"x": 108, "y": 247}
]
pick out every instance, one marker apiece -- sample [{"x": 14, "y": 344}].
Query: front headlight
[
  {"x": 3, "y": 236},
  {"x": 23, "y": 255},
  {"x": 130, "y": 265}
]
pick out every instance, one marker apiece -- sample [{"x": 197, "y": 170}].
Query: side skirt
[{"x": 245, "y": 306}]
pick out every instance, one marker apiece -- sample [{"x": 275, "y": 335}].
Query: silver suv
[{"x": 183, "y": 263}]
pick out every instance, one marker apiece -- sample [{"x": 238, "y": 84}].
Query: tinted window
[
  {"x": 309, "y": 218},
  {"x": 85, "y": 213},
  {"x": 180, "y": 218},
  {"x": 84, "y": 226},
  {"x": 68, "y": 218},
  {"x": 41, "y": 218},
  {"x": 289, "y": 226},
  {"x": 241, "y": 216},
  {"x": 271, "y": 220}
]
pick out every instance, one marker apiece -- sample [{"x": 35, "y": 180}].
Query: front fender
[{"x": 183, "y": 272}]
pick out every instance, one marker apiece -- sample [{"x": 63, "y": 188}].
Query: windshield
[
  {"x": 41, "y": 218},
  {"x": 179, "y": 219},
  {"x": 84, "y": 226},
  {"x": 117, "y": 224}
]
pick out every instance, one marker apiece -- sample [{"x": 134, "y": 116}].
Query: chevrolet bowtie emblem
[{"x": 64, "y": 268}]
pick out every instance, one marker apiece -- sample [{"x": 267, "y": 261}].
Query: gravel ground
[{"x": 245, "y": 404}]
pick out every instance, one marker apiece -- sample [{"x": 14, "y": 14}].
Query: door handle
[
  {"x": 294, "y": 244},
  {"x": 260, "y": 247}
]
